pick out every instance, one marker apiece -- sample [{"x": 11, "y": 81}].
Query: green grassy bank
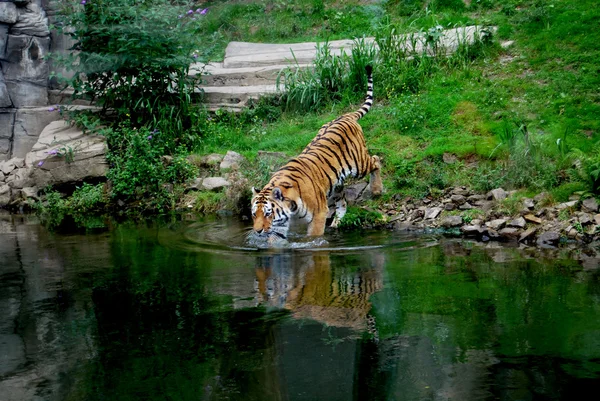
[{"x": 521, "y": 115}]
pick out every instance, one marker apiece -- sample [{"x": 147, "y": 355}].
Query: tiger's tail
[{"x": 366, "y": 106}]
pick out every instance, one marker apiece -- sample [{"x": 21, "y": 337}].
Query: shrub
[
  {"x": 139, "y": 169},
  {"x": 133, "y": 58},
  {"x": 358, "y": 218}
]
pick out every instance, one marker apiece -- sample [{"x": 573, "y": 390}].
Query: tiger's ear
[
  {"x": 255, "y": 191},
  {"x": 277, "y": 194}
]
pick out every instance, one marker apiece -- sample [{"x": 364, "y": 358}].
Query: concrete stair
[{"x": 250, "y": 70}]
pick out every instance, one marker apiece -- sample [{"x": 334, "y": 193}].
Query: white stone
[
  {"x": 432, "y": 213},
  {"x": 215, "y": 183},
  {"x": 232, "y": 160}
]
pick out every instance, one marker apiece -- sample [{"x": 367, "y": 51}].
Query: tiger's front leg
[{"x": 317, "y": 226}]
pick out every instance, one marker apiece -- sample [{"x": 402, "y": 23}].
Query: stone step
[
  {"x": 217, "y": 75},
  {"x": 235, "y": 96},
  {"x": 242, "y": 54}
]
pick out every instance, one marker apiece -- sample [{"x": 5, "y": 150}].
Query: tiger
[
  {"x": 310, "y": 186},
  {"x": 311, "y": 287}
]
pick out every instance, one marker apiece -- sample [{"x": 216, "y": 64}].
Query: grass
[{"x": 524, "y": 116}]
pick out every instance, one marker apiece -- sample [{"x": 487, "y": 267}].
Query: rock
[
  {"x": 518, "y": 223},
  {"x": 590, "y": 205},
  {"x": 354, "y": 192},
  {"x": 496, "y": 224},
  {"x": 566, "y": 205},
  {"x": 585, "y": 219},
  {"x": 597, "y": 219},
  {"x": 497, "y": 194},
  {"x": 451, "y": 221},
  {"x": 196, "y": 184},
  {"x": 30, "y": 193},
  {"x": 8, "y": 166},
  {"x": 84, "y": 158},
  {"x": 509, "y": 232},
  {"x": 475, "y": 198},
  {"x": 432, "y": 213},
  {"x": 528, "y": 204},
  {"x": 211, "y": 160},
  {"x": 232, "y": 160},
  {"x": 26, "y": 70},
  {"x": 549, "y": 238},
  {"x": 484, "y": 205},
  {"x": 528, "y": 234},
  {"x": 31, "y": 21},
  {"x": 449, "y": 158},
  {"x": 471, "y": 230},
  {"x": 215, "y": 183},
  {"x": 5, "y": 194},
  {"x": 449, "y": 206},
  {"x": 8, "y": 13},
  {"x": 460, "y": 191},
  {"x": 540, "y": 197},
  {"x": 458, "y": 199},
  {"x": 533, "y": 219},
  {"x": 465, "y": 206},
  {"x": 22, "y": 178}
]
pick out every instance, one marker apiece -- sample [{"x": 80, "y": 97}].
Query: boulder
[
  {"x": 566, "y": 205},
  {"x": 496, "y": 224},
  {"x": 452, "y": 221},
  {"x": 458, "y": 199},
  {"x": 465, "y": 206},
  {"x": 528, "y": 234},
  {"x": 232, "y": 160},
  {"x": 590, "y": 205},
  {"x": 518, "y": 223},
  {"x": 9, "y": 165},
  {"x": 354, "y": 192},
  {"x": 497, "y": 194},
  {"x": 472, "y": 229},
  {"x": 432, "y": 213},
  {"x": 549, "y": 238},
  {"x": 215, "y": 183},
  {"x": 63, "y": 154},
  {"x": 22, "y": 178},
  {"x": 509, "y": 233},
  {"x": 528, "y": 204},
  {"x": 4, "y": 95}
]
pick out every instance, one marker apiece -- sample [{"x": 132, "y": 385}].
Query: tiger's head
[{"x": 271, "y": 213}]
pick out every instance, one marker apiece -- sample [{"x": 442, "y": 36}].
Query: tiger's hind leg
[
  {"x": 337, "y": 206},
  {"x": 375, "y": 179}
]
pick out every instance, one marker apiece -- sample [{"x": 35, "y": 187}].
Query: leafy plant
[{"x": 357, "y": 218}]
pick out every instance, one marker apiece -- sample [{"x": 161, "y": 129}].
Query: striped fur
[{"x": 310, "y": 186}]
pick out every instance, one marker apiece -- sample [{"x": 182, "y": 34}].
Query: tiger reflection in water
[{"x": 308, "y": 286}]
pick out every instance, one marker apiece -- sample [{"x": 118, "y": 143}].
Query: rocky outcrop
[
  {"x": 61, "y": 155},
  {"x": 488, "y": 220},
  {"x": 24, "y": 47}
]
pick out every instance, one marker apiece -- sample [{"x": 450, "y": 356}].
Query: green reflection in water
[{"x": 138, "y": 313}]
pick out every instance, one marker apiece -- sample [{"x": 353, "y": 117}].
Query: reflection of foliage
[
  {"x": 161, "y": 330},
  {"x": 482, "y": 303}
]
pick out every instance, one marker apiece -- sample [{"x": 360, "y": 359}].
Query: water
[{"x": 191, "y": 311}]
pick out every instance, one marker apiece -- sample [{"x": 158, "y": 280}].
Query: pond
[{"x": 189, "y": 311}]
